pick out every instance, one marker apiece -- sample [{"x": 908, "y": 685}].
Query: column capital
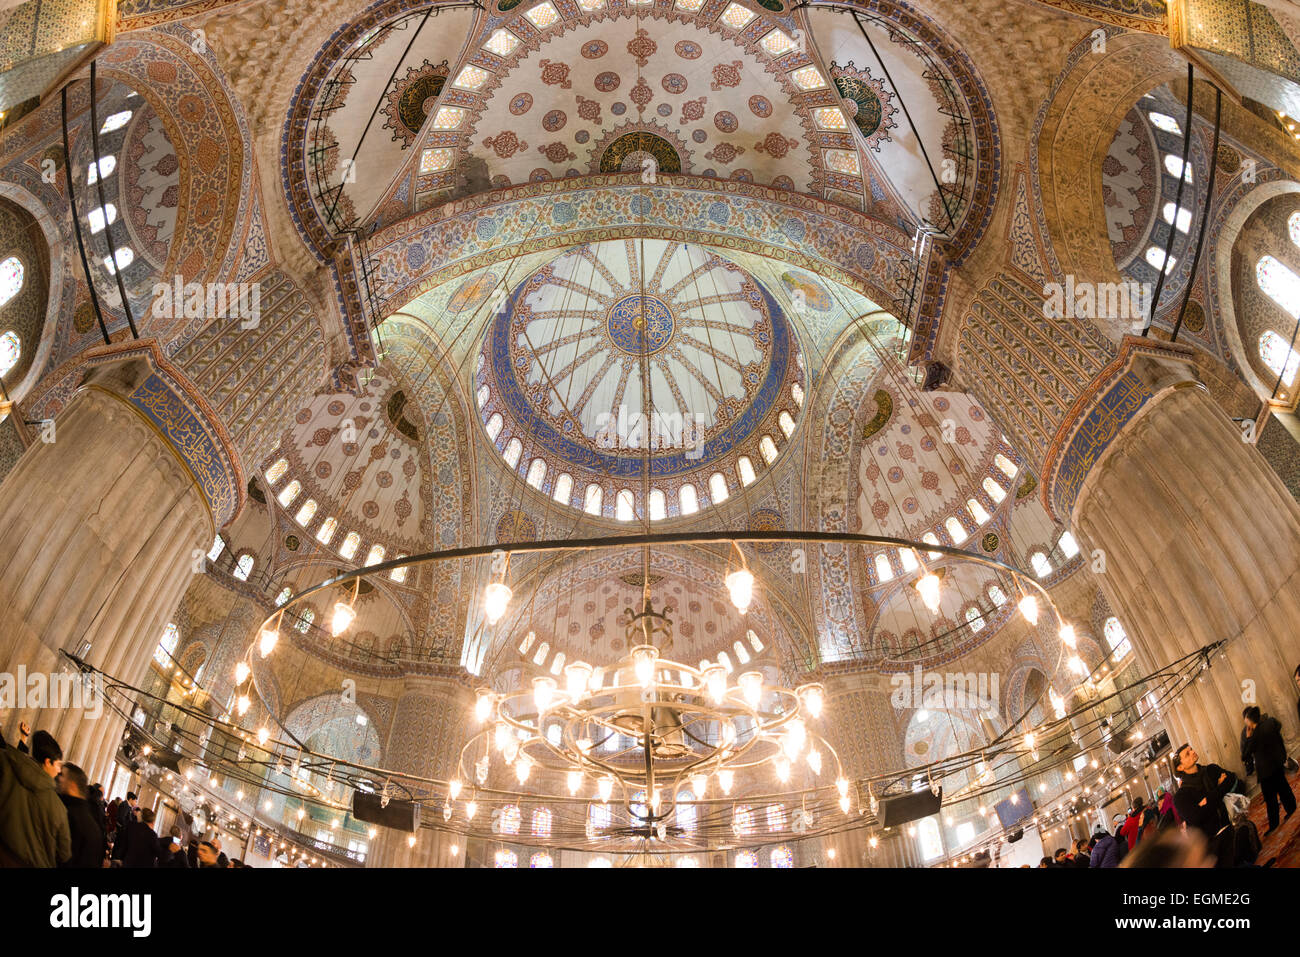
[
  {"x": 1140, "y": 370},
  {"x": 138, "y": 373}
]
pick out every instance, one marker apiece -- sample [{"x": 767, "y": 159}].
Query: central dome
[{"x": 614, "y": 346}]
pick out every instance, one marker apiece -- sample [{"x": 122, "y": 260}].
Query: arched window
[
  {"x": 776, "y": 817},
  {"x": 542, "y": 822},
  {"x": 624, "y": 506},
  {"x": 115, "y": 122},
  {"x": 510, "y": 819},
  {"x": 281, "y": 598},
  {"x": 218, "y": 546},
  {"x": 351, "y": 542},
  {"x": 398, "y": 574},
  {"x": 907, "y": 558},
  {"x": 742, "y": 820},
  {"x": 1273, "y": 349},
  {"x": 997, "y": 596},
  {"x": 1184, "y": 217},
  {"x": 768, "y": 448},
  {"x": 326, "y": 530},
  {"x": 1042, "y": 567},
  {"x": 543, "y": 650},
  {"x": 536, "y": 473},
  {"x": 688, "y": 500},
  {"x": 1069, "y": 547},
  {"x": 541, "y": 859},
  {"x": 745, "y": 469},
  {"x": 11, "y": 278},
  {"x": 956, "y": 531},
  {"x": 289, "y": 493},
  {"x": 276, "y": 471},
  {"x": 1116, "y": 637},
  {"x": 781, "y": 857},
  {"x": 555, "y": 735},
  {"x": 725, "y": 660},
  {"x": 658, "y": 505},
  {"x": 796, "y": 391},
  {"x": 927, "y": 832},
  {"x": 686, "y": 812},
  {"x": 754, "y": 641},
  {"x": 1293, "y": 228},
  {"x": 10, "y": 350},
  {"x": 1280, "y": 284},
  {"x": 746, "y": 859},
  {"x": 1155, "y": 258},
  {"x": 742, "y": 653},
  {"x": 600, "y": 862},
  {"x": 375, "y": 555},
  {"x": 97, "y": 218},
  {"x": 305, "y": 618},
  {"x": 306, "y": 512},
  {"x": 717, "y": 488},
  {"x": 122, "y": 257},
  {"x": 103, "y": 168},
  {"x": 167, "y": 645},
  {"x": 786, "y": 423},
  {"x": 563, "y": 488},
  {"x": 514, "y": 449},
  {"x": 974, "y": 619},
  {"x": 592, "y": 503},
  {"x": 484, "y": 393},
  {"x": 558, "y": 664},
  {"x": 1007, "y": 467},
  {"x": 494, "y": 426},
  {"x": 977, "y": 511},
  {"x": 1167, "y": 123},
  {"x": 1174, "y": 165},
  {"x": 994, "y": 490},
  {"x": 931, "y": 539},
  {"x": 244, "y": 567},
  {"x": 884, "y": 571},
  {"x": 600, "y": 816},
  {"x": 507, "y": 859}
]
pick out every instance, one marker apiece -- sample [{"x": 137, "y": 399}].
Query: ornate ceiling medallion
[{"x": 409, "y": 100}]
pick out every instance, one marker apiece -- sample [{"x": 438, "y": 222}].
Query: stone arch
[
  {"x": 334, "y": 717},
  {"x": 45, "y": 275}
]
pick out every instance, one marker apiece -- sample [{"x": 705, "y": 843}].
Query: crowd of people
[
  {"x": 1204, "y": 820},
  {"x": 52, "y": 816}
]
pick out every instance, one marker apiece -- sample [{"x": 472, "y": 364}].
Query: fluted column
[
  {"x": 433, "y": 848},
  {"x": 1202, "y": 542},
  {"x": 98, "y": 532}
]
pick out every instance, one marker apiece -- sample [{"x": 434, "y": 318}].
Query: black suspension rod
[
  {"x": 103, "y": 205},
  {"x": 76, "y": 222},
  {"x": 1205, "y": 216},
  {"x": 1178, "y": 199}
]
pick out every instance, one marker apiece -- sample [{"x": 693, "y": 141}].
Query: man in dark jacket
[
  {"x": 33, "y": 822},
  {"x": 126, "y": 812},
  {"x": 1264, "y": 754},
  {"x": 1199, "y": 801},
  {"x": 86, "y": 832},
  {"x": 143, "y": 848}
]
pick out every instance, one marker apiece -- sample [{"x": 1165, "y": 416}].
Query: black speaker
[
  {"x": 399, "y": 815},
  {"x": 1015, "y": 835},
  {"x": 909, "y": 807}
]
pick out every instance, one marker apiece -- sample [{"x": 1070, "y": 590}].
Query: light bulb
[
  {"x": 543, "y": 692},
  {"x": 1029, "y": 608},
  {"x": 266, "y": 641},
  {"x": 483, "y": 704},
  {"x": 373, "y": 832},
  {"x": 741, "y": 585},
  {"x": 928, "y": 588},
  {"x": 471, "y": 808},
  {"x": 453, "y": 789},
  {"x": 410, "y": 841},
  {"x": 242, "y": 671},
  {"x": 725, "y": 779},
  {"x": 815, "y": 760},
  {"x": 605, "y": 788},
  {"x": 344, "y": 616},
  {"x": 796, "y": 736},
  {"x": 301, "y": 814},
  {"x": 496, "y": 599},
  {"x": 523, "y": 768},
  {"x": 751, "y": 685},
  {"x": 844, "y": 806},
  {"x": 715, "y": 679},
  {"x": 728, "y": 734},
  {"x": 242, "y": 705},
  {"x": 455, "y": 850},
  {"x": 511, "y": 749},
  {"x": 1067, "y": 636},
  {"x": 1076, "y": 664},
  {"x": 1029, "y": 743},
  {"x": 699, "y": 784},
  {"x": 501, "y": 735},
  {"x": 655, "y": 800},
  {"x": 576, "y": 677},
  {"x": 643, "y": 664},
  {"x": 842, "y": 785},
  {"x": 575, "y": 781},
  {"x": 782, "y": 767},
  {"x": 262, "y": 735},
  {"x": 813, "y": 697}
]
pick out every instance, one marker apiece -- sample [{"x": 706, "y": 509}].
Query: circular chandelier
[{"x": 688, "y": 724}]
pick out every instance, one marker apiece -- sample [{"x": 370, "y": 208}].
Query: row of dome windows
[
  {"x": 543, "y": 651},
  {"x": 625, "y": 500},
  {"x": 508, "y": 820},
  {"x": 351, "y": 543},
  {"x": 1282, "y": 285},
  {"x": 780, "y": 857}
]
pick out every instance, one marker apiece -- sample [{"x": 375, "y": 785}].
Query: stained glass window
[
  {"x": 350, "y": 545},
  {"x": 514, "y": 449},
  {"x": 281, "y": 598},
  {"x": 768, "y": 448},
  {"x": 542, "y": 818},
  {"x": 507, "y": 859},
  {"x": 781, "y": 857},
  {"x": 306, "y": 512},
  {"x": 1174, "y": 165},
  {"x": 997, "y": 596},
  {"x": 775, "y": 817},
  {"x": 1273, "y": 349},
  {"x": 276, "y": 471},
  {"x": 1167, "y": 123},
  {"x": 658, "y": 505},
  {"x": 717, "y": 488},
  {"x": 1280, "y": 284},
  {"x": 884, "y": 571},
  {"x": 686, "y": 812},
  {"x": 745, "y": 469},
  {"x": 690, "y": 502},
  {"x": 624, "y": 506},
  {"x": 115, "y": 122},
  {"x": 977, "y": 511},
  {"x": 100, "y": 216},
  {"x": 398, "y": 574},
  {"x": 541, "y": 859},
  {"x": 747, "y": 859},
  {"x": 563, "y": 488},
  {"x": 996, "y": 491},
  {"x": 1184, "y": 217},
  {"x": 326, "y": 530},
  {"x": 1293, "y": 227},
  {"x": 218, "y": 545},
  {"x": 742, "y": 821},
  {"x": 956, "y": 531},
  {"x": 537, "y": 473},
  {"x": 104, "y": 167},
  {"x": 600, "y": 816},
  {"x": 600, "y": 862},
  {"x": 244, "y": 567},
  {"x": 167, "y": 645},
  {"x": 510, "y": 819},
  {"x": 974, "y": 619},
  {"x": 1006, "y": 465},
  {"x": 1116, "y": 637},
  {"x": 11, "y": 278},
  {"x": 786, "y": 422},
  {"x": 1069, "y": 547},
  {"x": 1042, "y": 567},
  {"x": 290, "y": 492},
  {"x": 305, "y": 619},
  {"x": 10, "y": 350}
]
